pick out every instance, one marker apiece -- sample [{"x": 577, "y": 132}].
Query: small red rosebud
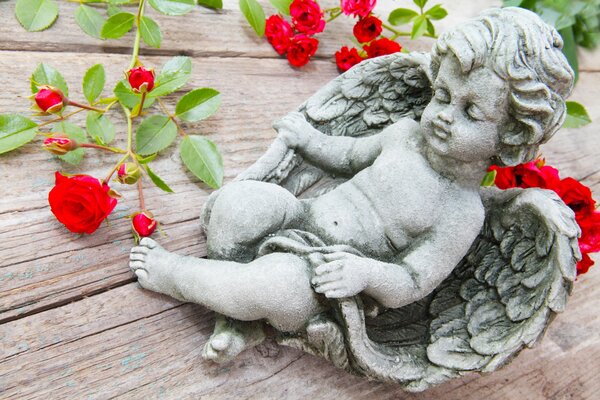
[
  {"x": 59, "y": 145},
  {"x": 128, "y": 173},
  {"x": 347, "y": 58},
  {"x": 141, "y": 79},
  {"x": 143, "y": 223},
  {"x": 367, "y": 29},
  {"x": 301, "y": 49},
  {"x": 50, "y": 99}
]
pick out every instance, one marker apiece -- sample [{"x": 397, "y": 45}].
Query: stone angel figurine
[{"x": 363, "y": 235}]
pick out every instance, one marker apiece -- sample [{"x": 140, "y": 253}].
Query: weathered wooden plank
[{"x": 194, "y": 33}]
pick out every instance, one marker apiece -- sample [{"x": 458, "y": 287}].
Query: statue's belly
[{"x": 346, "y": 216}]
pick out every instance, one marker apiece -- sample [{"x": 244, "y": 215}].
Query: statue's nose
[{"x": 445, "y": 116}]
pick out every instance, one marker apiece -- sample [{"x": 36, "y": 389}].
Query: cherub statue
[{"x": 363, "y": 234}]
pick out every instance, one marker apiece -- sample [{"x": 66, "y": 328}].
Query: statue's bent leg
[
  {"x": 243, "y": 213},
  {"x": 275, "y": 287}
]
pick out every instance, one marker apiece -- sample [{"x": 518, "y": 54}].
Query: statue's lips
[{"x": 440, "y": 131}]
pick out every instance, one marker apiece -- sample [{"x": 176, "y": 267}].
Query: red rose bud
[
  {"x": 382, "y": 47},
  {"x": 577, "y": 196},
  {"x": 128, "y": 173},
  {"x": 50, "y": 99},
  {"x": 367, "y": 29},
  {"x": 307, "y": 16},
  {"x": 143, "y": 223},
  {"x": 357, "y": 8},
  {"x": 278, "y": 33},
  {"x": 347, "y": 58},
  {"x": 59, "y": 145},
  {"x": 141, "y": 79},
  {"x": 301, "y": 49}
]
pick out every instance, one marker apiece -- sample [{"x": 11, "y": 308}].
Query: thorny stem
[
  {"x": 138, "y": 34},
  {"x": 171, "y": 116},
  {"x": 141, "y": 194},
  {"x": 61, "y": 118},
  {"x": 333, "y": 13},
  {"x": 84, "y": 106},
  {"x": 139, "y": 112},
  {"x": 100, "y": 147}
]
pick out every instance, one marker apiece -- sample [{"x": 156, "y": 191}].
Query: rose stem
[
  {"x": 164, "y": 108},
  {"x": 141, "y": 194},
  {"x": 138, "y": 34},
  {"x": 100, "y": 147},
  {"x": 141, "y": 105},
  {"x": 399, "y": 33},
  {"x": 115, "y": 168},
  {"x": 76, "y": 104},
  {"x": 62, "y": 118}
]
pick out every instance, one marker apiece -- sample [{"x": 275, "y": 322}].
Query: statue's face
[{"x": 467, "y": 113}]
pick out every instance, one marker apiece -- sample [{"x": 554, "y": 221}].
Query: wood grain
[{"x": 74, "y": 324}]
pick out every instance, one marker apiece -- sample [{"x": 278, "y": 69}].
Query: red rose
[
  {"x": 357, "y": 8},
  {"x": 505, "y": 177},
  {"x": 141, "y": 79},
  {"x": 589, "y": 242},
  {"x": 80, "y": 202},
  {"x": 584, "y": 265},
  {"x": 347, "y": 58},
  {"x": 301, "y": 49},
  {"x": 367, "y": 29},
  {"x": 531, "y": 175},
  {"x": 381, "y": 47},
  {"x": 307, "y": 16},
  {"x": 577, "y": 196},
  {"x": 278, "y": 33},
  {"x": 143, "y": 224},
  {"x": 49, "y": 99}
]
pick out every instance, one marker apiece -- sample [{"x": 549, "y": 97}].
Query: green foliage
[
  {"x": 420, "y": 3},
  {"x": 217, "y": 4},
  {"x": 577, "y": 115},
  {"x": 419, "y": 27},
  {"x": 74, "y": 132},
  {"x": 15, "y": 131},
  {"x": 254, "y": 14},
  {"x": 173, "y": 7},
  {"x": 174, "y": 74},
  {"x": 128, "y": 98},
  {"x": 154, "y": 134},
  {"x": 157, "y": 180},
  {"x": 46, "y": 75},
  {"x": 436, "y": 12},
  {"x": 93, "y": 82},
  {"x": 36, "y": 15},
  {"x": 203, "y": 159},
  {"x": 198, "y": 104},
  {"x": 150, "y": 32},
  {"x": 117, "y": 25},
  {"x": 89, "y": 20},
  {"x": 421, "y": 21},
  {"x": 401, "y": 16},
  {"x": 100, "y": 128},
  {"x": 283, "y": 6},
  {"x": 489, "y": 178}
]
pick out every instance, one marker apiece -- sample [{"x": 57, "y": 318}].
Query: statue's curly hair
[{"x": 526, "y": 52}]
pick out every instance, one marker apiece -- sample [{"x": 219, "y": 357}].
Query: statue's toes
[{"x": 147, "y": 242}]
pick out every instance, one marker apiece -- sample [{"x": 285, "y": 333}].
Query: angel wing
[{"x": 360, "y": 102}]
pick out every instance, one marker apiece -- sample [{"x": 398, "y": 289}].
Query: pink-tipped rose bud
[
  {"x": 50, "y": 99},
  {"x": 143, "y": 223},
  {"x": 59, "y": 145},
  {"x": 128, "y": 173},
  {"x": 141, "y": 79}
]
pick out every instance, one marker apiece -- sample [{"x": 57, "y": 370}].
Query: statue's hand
[
  {"x": 341, "y": 275},
  {"x": 294, "y": 130}
]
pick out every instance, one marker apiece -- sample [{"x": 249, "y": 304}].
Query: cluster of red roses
[
  {"x": 575, "y": 195},
  {"x": 82, "y": 202}
]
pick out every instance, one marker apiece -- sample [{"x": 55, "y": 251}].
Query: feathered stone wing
[{"x": 360, "y": 102}]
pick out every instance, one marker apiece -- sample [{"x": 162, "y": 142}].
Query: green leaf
[
  {"x": 73, "y": 132},
  {"x": 437, "y": 12},
  {"x": 489, "y": 178},
  {"x": 117, "y": 25},
  {"x": 100, "y": 128},
  {"x": 283, "y": 6},
  {"x": 154, "y": 134},
  {"x": 512, "y": 3},
  {"x": 401, "y": 16},
  {"x": 420, "y": 3},
  {"x": 157, "y": 181},
  {"x": 173, "y": 7},
  {"x": 93, "y": 82},
  {"x": 430, "y": 28},
  {"x": 254, "y": 15},
  {"x": 419, "y": 27},
  {"x": 150, "y": 32},
  {"x": 570, "y": 50},
  {"x": 113, "y": 10},
  {"x": 46, "y": 75},
  {"x": 174, "y": 74},
  {"x": 36, "y": 15},
  {"x": 128, "y": 98},
  {"x": 198, "y": 104},
  {"x": 146, "y": 160},
  {"x": 89, "y": 20},
  {"x": 203, "y": 159},
  {"x": 15, "y": 131},
  {"x": 577, "y": 115},
  {"x": 217, "y": 4}
]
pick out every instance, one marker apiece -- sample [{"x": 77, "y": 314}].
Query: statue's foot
[
  {"x": 153, "y": 266},
  {"x": 230, "y": 338}
]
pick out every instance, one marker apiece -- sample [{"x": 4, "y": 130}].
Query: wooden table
[{"x": 75, "y": 324}]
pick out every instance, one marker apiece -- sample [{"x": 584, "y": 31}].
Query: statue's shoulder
[{"x": 405, "y": 131}]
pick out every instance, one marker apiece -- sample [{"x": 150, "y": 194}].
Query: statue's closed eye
[
  {"x": 442, "y": 95},
  {"x": 474, "y": 112}
]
